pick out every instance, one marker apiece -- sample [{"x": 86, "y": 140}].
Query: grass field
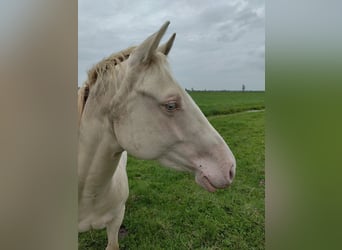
[
  {"x": 224, "y": 102},
  {"x": 168, "y": 210}
]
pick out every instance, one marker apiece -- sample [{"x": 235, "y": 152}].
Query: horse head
[{"x": 156, "y": 119}]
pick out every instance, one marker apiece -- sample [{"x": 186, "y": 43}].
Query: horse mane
[{"x": 96, "y": 72}]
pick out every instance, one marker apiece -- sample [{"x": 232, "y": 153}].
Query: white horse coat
[{"x": 131, "y": 103}]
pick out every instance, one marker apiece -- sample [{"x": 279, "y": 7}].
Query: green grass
[
  {"x": 168, "y": 210},
  {"x": 225, "y": 102}
]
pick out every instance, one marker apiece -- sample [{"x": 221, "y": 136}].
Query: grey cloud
[
  {"x": 239, "y": 24},
  {"x": 218, "y": 43}
]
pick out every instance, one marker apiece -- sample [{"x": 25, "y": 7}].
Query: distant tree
[
  {"x": 243, "y": 87},
  {"x": 192, "y": 89}
]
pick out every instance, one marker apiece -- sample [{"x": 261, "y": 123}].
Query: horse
[{"x": 132, "y": 104}]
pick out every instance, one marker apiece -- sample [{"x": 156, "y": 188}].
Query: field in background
[
  {"x": 225, "y": 102},
  {"x": 168, "y": 210}
]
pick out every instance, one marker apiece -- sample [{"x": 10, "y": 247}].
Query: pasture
[
  {"x": 225, "y": 102},
  {"x": 168, "y": 210}
]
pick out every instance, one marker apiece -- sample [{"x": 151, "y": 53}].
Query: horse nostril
[{"x": 231, "y": 173}]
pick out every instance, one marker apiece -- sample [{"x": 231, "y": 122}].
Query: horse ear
[
  {"x": 144, "y": 51},
  {"x": 166, "y": 47}
]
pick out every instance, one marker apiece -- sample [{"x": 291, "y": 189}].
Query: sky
[{"x": 220, "y": 44}]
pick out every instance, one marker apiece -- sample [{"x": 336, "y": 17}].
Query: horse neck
[{"x": 99, "y": 150}]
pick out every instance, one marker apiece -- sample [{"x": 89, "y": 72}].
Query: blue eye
[{"x": 171, "y": 106}]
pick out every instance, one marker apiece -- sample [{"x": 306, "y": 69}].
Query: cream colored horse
[{"x": 131, "y": 103}]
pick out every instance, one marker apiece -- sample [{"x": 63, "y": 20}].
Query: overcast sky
[{"x": 219, "y": 44}]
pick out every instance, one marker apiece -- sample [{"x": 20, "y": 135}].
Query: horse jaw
[{"x": 214, "y": 166}]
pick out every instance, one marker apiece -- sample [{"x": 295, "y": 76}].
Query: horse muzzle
[{"x": 212, "y": 182}]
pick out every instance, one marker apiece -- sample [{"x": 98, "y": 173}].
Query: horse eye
[{"x": 171, "y": 106}]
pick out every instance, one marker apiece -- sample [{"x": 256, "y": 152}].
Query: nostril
[{"x": 231, "y": 174}]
